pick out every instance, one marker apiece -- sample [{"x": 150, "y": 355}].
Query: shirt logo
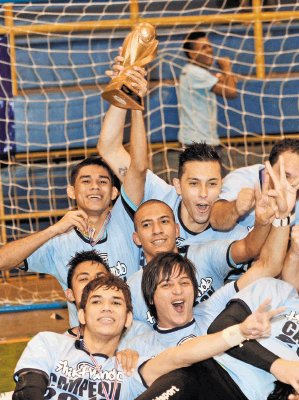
[
  {"x": 168, "y": 393},
  {"x": 120, "y": 269},
  {"x": 179, "y": 240},
  {"x": 290, "y": 331}
]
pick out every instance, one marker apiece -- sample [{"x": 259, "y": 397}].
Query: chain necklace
[
  {"x": 91, "y": 230},
  {"x": 98, "y": 367}
]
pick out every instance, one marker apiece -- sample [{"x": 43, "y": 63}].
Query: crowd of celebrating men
[{"x": 184, "y": 291}]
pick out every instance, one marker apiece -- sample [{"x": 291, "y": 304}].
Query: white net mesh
[{"x": 53, "y": 66}]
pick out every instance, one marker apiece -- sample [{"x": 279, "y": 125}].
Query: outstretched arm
[
  {"x": 250, "y": 247},
  {"x": 14, "y": 253},
  {"x": 134, "y": 179},
  {"x": 110, "y": 143},
  {"x": 252, "y": 352},
  {"x": 225, "y": 214},
  {"x": 203, "y": 347}
]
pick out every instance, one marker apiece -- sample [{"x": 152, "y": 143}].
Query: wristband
[
  {"x": 280, "y": 222},
  {"x": 233, "y": 336}
]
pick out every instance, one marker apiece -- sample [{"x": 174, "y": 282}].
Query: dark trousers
[{"x": 206, "y": 380}]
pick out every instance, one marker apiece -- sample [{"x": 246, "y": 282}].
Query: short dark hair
[
  {"x": 291, "y": 145},
  {"x": 80, "y": 257},
  {"x": 165, "y": 263},
  {"x": 109, "y": 282},
  {"x": 198, "y": 152},
  {"x": 151, "y": 201},
  {"x": 93, "y": 161},
  {"x": 190, "y": 39}
]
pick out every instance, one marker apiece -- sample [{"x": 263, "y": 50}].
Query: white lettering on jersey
[
  {"x": 169, "y": 393},
  {"x": 88, "y": 370}
]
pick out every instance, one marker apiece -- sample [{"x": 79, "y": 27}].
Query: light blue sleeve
[
  {"x": 206, "y": 312},
  {"x": 266, "y": 288},
  {"x": 213, "y": 259},
  {"x": 134, "y": 385},
  {"x": 39, "y": 353},
  {"x": 137, "y": 328},
  {"x": 144, "y": 344},
  {"x": 241, "y": 178},
  {"x": 196, "y": 77},
  {"x": 43, "y": 259},
  {"x": 155, "y": 187}
]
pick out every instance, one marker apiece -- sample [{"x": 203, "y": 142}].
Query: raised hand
[
  {"x": 258, "y": 323},
  {"x": 136, "y": 74},
  {"x": 117, "y": 66},
  {"x": 128, "y": 360},
  {"x": 244, "y": 201},
  {"x": 265, "y": 206},
  {"x": 71, "y": 219},
  {"x": 283, "y": 192},
  {"x": 224, "y": 64},
  {"x": 136, "y": 77},
  {"x": 287, "y": 372}
]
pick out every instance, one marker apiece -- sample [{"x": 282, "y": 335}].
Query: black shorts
[{"x": 206, "y": 380}]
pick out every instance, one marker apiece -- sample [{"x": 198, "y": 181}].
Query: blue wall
[{"x": 73, "y": 118}]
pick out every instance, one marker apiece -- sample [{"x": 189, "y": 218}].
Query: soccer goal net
[{"x": 53, "y": 58}]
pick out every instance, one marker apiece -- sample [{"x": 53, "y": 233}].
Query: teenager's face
[
  {"x": 202, "y": 52},
  {"x": 84, "y": 273},
  {"x": 156, "y": 230},
  {"x": 174, "y": 300},
  {"x": 93, "y": 190},
  {"x": 291, "y": 165},
  {"x": 106, "y": 313},
  {"x": 199, "y": 186}
]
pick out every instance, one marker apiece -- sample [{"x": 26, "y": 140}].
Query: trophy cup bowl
[{"x": 139, "y": 49}]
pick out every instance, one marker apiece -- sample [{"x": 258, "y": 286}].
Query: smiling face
[
  {"x": 156, "y": 230},
  {"x": 199, "y": 186},
  {"x": 174, "y": 299},
  {"x": 93, "y": 190},
  {"x": 84, "y": 273},
  {"x": 105, "y": 313}
]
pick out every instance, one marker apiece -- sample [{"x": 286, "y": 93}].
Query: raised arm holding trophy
[{"x": 139, "y": 49}]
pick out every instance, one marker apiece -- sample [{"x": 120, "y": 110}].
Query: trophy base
[{"x": 121, "y": 95}]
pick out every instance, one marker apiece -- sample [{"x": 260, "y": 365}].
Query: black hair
[
  {"x": 190, "y": 39},
  {"x": 152, "y": 201},
  {"x": 108, "y": 282},
  {"x": 80, "y": 257},
  {"x": 93, "y": 161},
  {"x": 291, "y": 145},
  {"x": 198, "y": 152},
  {"x": 164, "y": 264}
]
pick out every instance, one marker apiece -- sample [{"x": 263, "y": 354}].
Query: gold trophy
[{"x": 139, "y": 49}]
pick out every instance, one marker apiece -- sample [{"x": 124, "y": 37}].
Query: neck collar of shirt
[
  {"x": 86, "y": 239},
  {"x": 184, "y": 226},
  {"x": 166, "y": 330},
  {"x": 79, "y": 344}
]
